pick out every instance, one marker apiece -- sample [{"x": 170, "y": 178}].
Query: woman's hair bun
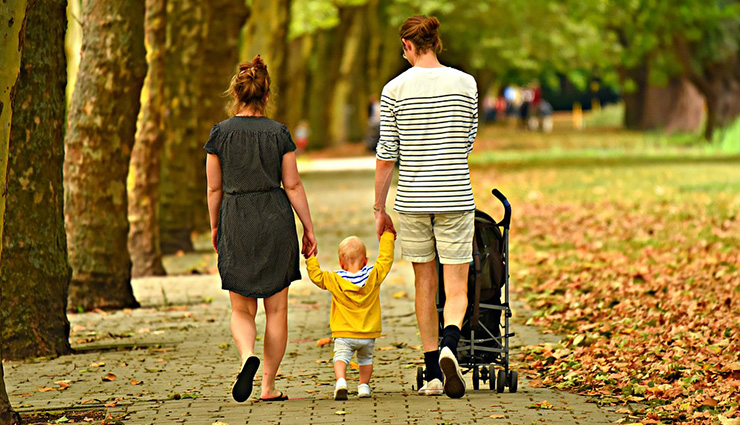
[
  {"x": 257, "y": 62},
  {"x": 250, "y": 86}
]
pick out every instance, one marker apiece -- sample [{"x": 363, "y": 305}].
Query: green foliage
[
  {"x": 309, "y": 16},
  {"x": 728, "y": 139}
]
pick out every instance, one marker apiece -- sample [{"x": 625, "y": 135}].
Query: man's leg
[
  {"x": 425, "y": 280},
  {"x": 454, "y": 235},
  {"x": 456, "y": 303}
]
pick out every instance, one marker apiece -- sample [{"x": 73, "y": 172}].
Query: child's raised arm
[
  {"x": 318, "y": 277},
  {"x": 385, "y": 256}
]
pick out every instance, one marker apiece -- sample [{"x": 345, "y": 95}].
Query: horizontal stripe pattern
[
  {"x": 428, "y": 121},
  {"x": 358, "y": 278}
]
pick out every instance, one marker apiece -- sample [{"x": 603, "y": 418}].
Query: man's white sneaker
[
  {"x": 454, "y": 384},
  {"x": 340, "y": 389},
  {"x": 433, "y": 387},
  {"x": 363, "y": 390}
]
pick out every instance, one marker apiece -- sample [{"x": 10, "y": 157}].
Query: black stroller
[{"x": 484, "y": 341}]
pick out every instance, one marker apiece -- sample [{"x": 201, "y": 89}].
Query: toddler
[{"x": 355, "y": 307}]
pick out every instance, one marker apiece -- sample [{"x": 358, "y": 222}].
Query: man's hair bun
[{"x": 422, "y": 31}]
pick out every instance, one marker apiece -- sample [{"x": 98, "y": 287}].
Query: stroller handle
[{"x": 507, "y": 208}]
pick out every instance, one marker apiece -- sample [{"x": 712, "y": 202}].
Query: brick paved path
[{"x": 174, "y": 361}]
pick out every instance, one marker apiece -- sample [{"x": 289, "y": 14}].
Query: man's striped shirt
[{"x": 429, "y": 120}]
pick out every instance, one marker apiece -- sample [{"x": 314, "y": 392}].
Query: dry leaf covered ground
[{"x": 635, "y": 258}]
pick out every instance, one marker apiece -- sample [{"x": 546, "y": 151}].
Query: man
[{"x": 429, "y": 120}]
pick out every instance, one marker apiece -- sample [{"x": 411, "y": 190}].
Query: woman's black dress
[{"x": 257, "y": 241}]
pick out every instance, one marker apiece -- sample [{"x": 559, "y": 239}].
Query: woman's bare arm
[
  {"x": 215, "y": 193},
  {"x": 297, "y": 196}
]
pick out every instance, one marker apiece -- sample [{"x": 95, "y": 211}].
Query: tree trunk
[
  {"x": 323, "y": 76},
  {"x": 718, "y": 82},
  {"x": 299, "y": 50},
  {"x": 102, "y": 128},
  {"x": 634, "y": 101},
  {"x": 183, "y": 146},
  {"x": 350, "y": 95},
  {"x": 219, "y": 58},
  {"x": 675, "y": 107},
  {"x": 391, "y": 62},
  {"x": 34, "y": 272},
  {"x": 266, "y": 34},
  {"x": 11, "y": 42},
  {"x": 146, "y": 157},
  {"x": 7, "y": 415}
]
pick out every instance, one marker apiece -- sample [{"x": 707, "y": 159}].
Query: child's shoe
[
  {"x": 340, "y": 389},
  {"x": 433, "y": 387},
  {"x": 363, "y": 390}
]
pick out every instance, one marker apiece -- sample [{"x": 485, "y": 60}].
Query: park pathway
[{"x": 173, "y": 362}]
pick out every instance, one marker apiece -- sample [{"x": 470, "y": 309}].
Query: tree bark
[
  {"x": 34, "y": 272},
  {"x": 350, "y": 92},
  {"x": 222, "y": 22},
  {"x": 183, "y": 146},
  {"x": 675, "y": 107},
  {"x": 11, "y": 43},
  {"x": 295, "y": 93},
  {"x": 718, "y": 82},
  {"x": 102, "y": 127},
  {"x": 266, "y": 34},
  {"x": 146, "y": 157},
  {"x": 323, "y": 76}
]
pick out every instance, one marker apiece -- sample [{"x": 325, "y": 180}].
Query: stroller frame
[{"x": 480, "y": 349}]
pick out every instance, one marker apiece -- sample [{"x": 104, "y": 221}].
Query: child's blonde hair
[{"x": 352, "y": 250}]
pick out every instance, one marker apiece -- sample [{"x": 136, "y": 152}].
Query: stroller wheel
[
  {"x": 500, "y": 381},
  {"x": 513, "y": 381},
  {"x": 476, "y": 378},
  {"x": 484, "y": 374},
  {"x": 419, "y": 377}
]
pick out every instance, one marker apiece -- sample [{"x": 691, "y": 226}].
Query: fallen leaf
[
  {"x": 109, "y": 377},
  {"x": 387, "y": 348},
  {"x": 727, "y": 421},
  {"x": 100, "y": 364},
  {"x": 113, "y": 404},
  {"x": 401, "y": 294},
  {"x": 135, "y": 382},
  {"x": 323, "y": 341},
  {"x": 541, "y": 405},
  {"x": 497, "y": 416},
  {"x": 354, "y": 366},
  {"x": 340, "y": 412},
  {"x": 47, "y": 389}
]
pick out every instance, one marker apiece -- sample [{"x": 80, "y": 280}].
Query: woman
[
  {"x": 429, "y": 120},
  {"x": 252, "y": 224}
]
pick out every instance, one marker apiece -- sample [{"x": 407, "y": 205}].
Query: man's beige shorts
[{"x": 450, "y": 233}]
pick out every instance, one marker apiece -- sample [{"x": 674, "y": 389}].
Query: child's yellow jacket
[{"x": 355, "y": 310}]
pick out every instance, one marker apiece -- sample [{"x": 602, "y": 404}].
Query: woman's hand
[
  {"x": 310, "y": 246},
  {"x": 214, "y": 239},
  {"x": 383, "y": 222}
]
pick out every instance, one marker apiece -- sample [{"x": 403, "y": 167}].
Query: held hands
[
  {"x": 383, "y": 223},
  {"x": 310, "y": 246}
]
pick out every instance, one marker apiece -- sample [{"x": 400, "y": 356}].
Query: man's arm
[{"x": 383, "y": 177}]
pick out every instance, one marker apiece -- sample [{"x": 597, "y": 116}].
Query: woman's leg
[
  {"x": 243, "y": 329},
  {"x": 276, "y": 337}
]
